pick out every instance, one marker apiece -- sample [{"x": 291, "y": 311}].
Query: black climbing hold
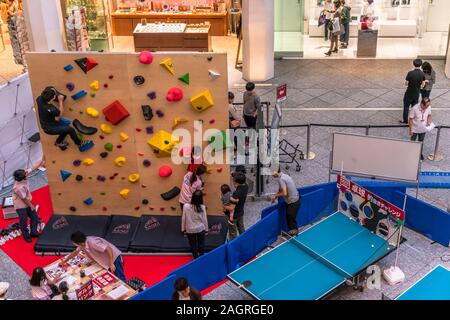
[
  {"x": 169, "y": 195},
  {"x": 148, "y": 112},
  {"x": 145, "y": 202},
  {"x": 104, "y": 155},
  {"x": 81, "y": 128},
  {"x": 79, "y": 178},
  {"x": 139, "y": 80},
  {"x": 73, "y": 209}
]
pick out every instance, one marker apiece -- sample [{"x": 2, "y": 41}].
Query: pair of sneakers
[{"x": 84, "y": 146}]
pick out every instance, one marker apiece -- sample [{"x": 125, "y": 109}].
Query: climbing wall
[{"x": 100, "y": 180}]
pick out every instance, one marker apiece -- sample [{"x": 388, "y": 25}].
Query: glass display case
[{"x": 97, "y": 19}]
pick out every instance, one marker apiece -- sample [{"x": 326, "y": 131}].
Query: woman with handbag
[{"x": 335, "y": 29}]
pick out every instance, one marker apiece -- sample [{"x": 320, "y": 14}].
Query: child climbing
[
  {"x": 52, "y": 123},
  {"x": 225, "y": 190}
]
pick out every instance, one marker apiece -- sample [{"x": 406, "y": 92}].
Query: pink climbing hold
[
  {"x": 145, "y": 57},
  {"x": 174, "y": 94},
  {"x": 165, "y": 171}
]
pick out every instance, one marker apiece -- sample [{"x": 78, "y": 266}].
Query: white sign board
[{"x": 376, "y": 157}]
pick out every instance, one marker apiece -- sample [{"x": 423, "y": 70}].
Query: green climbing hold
[
  {"x": 109, "y": 147},
  {"x": 92, "y": 95},
  {"x": 184, "y": 78},
  {"x": 210, "y": 58}
]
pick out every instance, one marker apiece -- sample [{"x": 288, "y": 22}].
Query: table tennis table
[
  {"x": 435, "y": 285},
  {"x": 314, "y": 263}
]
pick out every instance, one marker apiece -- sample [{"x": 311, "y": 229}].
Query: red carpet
[{"x": 151, "y": 269}]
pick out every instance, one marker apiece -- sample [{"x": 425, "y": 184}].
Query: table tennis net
[{"x": 320, "y": 258}]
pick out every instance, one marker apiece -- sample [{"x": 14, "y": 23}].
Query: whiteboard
[{"x": 376, "y": 157}]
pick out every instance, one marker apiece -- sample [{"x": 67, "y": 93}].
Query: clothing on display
[
  {"x": 76, "y": 30},
  {"x": 19, "y": 37}
]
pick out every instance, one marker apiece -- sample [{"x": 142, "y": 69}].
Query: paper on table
[
  {"x": 92, "y": 269},
  {"x": 430, "y": 127},
  {"x": 118, "y": 292},
  {"x": 69, "y": 279}
]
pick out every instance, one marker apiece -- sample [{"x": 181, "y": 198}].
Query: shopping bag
[{"x": 322, "y": 19}]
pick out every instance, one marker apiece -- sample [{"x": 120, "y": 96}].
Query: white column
[
  {"x": 45, "y": 24},
  {"x": 258, "y": 39}
]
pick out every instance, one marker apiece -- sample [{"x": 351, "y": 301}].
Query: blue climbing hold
[
  {"x": 86, "y": 146},
  {"x": 79, "y": 95},
  {"x": 69, "y": 67},
  {"x": 65, "y": 175},
  {"x": 88, "y": 201}
]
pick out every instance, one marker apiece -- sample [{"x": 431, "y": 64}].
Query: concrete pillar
[
  {"x": 45, "y": 24},
  {"x": 258, "y": 39},
  {"x": 447, "y": 60}
]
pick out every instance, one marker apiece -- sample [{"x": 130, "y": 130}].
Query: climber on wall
[{"x": 50, "y": 118}]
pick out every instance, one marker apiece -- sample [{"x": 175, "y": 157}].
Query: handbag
[{"x": 322, "y": 19}]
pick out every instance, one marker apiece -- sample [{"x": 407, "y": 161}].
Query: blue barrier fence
[{"x": 317, "y": 201}]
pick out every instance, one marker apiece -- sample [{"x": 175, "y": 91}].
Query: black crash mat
[
  {"x": 162, "y": 234},
  {"x": 56, "y": 235},
  {"x": 121, "y": 230}
]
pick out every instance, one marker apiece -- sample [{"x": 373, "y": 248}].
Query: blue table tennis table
[
  {"x": 433, "y": 286},
  {"x": 314, "y": 263}
]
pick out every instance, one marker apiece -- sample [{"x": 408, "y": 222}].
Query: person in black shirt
[
  {"x": 415, "y": 81},
  {"x": 183, "y": 291},
  {"x": 50, "y": 116},
  {"x": 237, "y": 204}
]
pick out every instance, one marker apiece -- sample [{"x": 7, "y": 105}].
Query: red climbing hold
[
  {"x": 174, "y": 94},
  {"x": 145, "y": 57},
  {"x": 212, "y": 121},
  {"x": 219, "y": 170},
  {"x": 165, "y": 171},
  {"x": 138, "y": 129},
  {"x": 137, "y": 208}
]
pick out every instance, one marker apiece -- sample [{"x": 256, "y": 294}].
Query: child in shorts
[{"x": 226, "y": 201}]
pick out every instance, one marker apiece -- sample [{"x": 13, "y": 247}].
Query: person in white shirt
[
  {"x": 328, "y": 8},
  {"x": 420, "y": 121},
  {"x": 194, "y": 223}
]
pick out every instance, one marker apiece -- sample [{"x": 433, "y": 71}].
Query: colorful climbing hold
[
  {"x": 88, "y": 162},
  {"x": 145, "y": 57},
  {"x": 123, "y": 137},
  {"x": 65, "y": 175},
  {"x": 165, "y": 171},
  {"x": 120, "y": 161},
  {"x": 177, "y": 121},
  {"x": 139, "y": 80},
  {"x": 185, "y": 78},
  {"x": 92, "y": 112},
  {"x": 167, "y": 63},
  {"x": 133, "y": 178},
  {"x": 101, "y": 178},
  {"x": 124, "y": 193},
  {"x": 79, "y": 95},
  {"x": 159, "y": 113},
  {"x": 108, "y": 147},
  {"x": 105, "y": 128},
  {"x": 152, "y": 95},
  {"x": 70, "y": 86},
  {"x": 86, "y": 64},
  {"x": 149, "y": 130},
  {"x": 88, "y": 201},
  {"x": 146, "y": 163},
  {"x": 95, "y": 85},
  {"x": 202, "y": 101},
  {"x": 115, "y": 112},
  {"x": 68, "y": 67},
  {"x": 174, "y": 94}
]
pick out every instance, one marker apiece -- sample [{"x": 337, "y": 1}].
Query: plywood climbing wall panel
[{"x": 115, "y": 73}]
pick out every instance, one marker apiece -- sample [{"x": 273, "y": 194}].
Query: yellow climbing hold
[
  {"x": 88, "y": 162},
  {"x": 163, "y": 142},
  {"x": 92, "y": 112},
  {"x": 94, "y": 85},
  {"x": 177, "y": 121},
  {"x": 202, "y": 101},
  {"x": 105, "y": 128},
  {"x": 134, "y": 177},
  {"x": 168, "y": 65},
  {"x": 209, "y": 170},
  {"x": 120, "y": 161},
  {"x": 124, "y": 193},
  {"x": 123, "y": 137}
]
